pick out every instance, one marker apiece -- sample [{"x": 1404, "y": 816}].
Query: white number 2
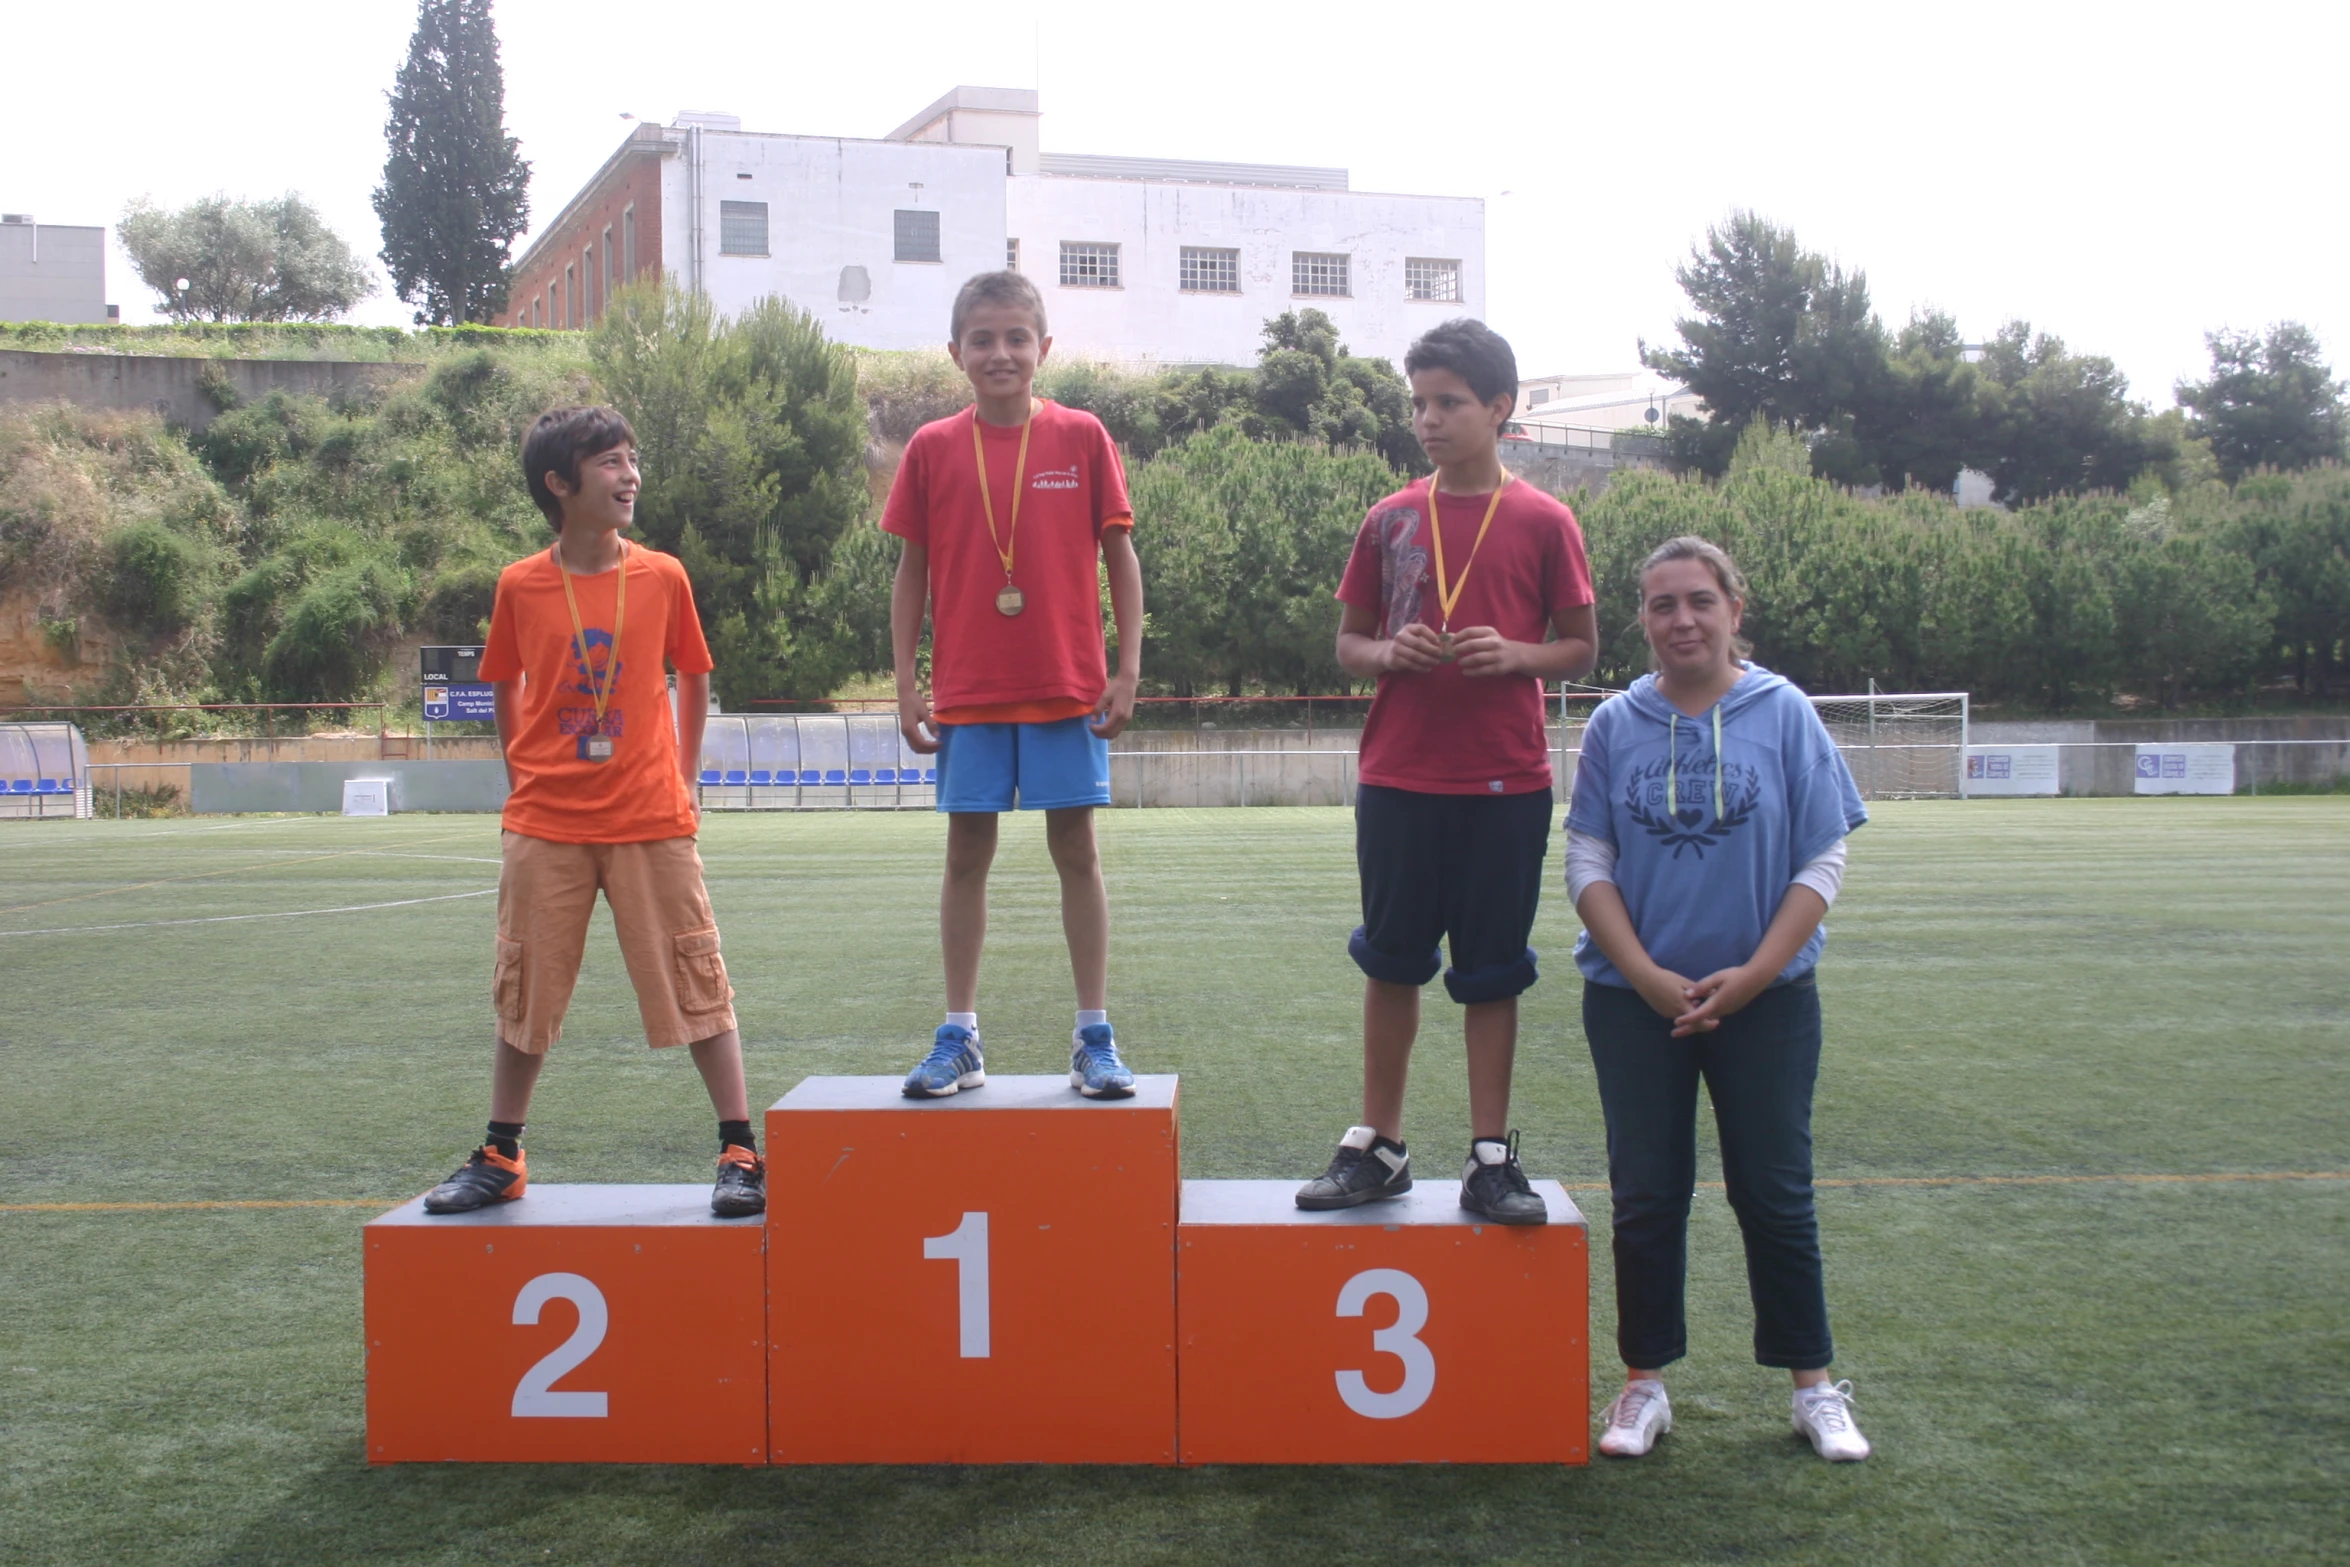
[
  {"x": 966, "y": 1246},
  {"x": 535, "y": 1394},
  {"x": 1400, "y": 1340}
]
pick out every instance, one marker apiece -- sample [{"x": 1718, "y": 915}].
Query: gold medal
[
  {"x": 1447, "y": 655},
  {"x": 1011, "y": 600}
]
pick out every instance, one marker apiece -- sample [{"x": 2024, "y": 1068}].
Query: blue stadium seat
[
  {"x": 860, "y": 775},
  {"x": 809, "y": 775},
  {"x": 735, "y": 775},
  {"x": 45, "y": 786},
  {"x": 20, "y": 786},
  {"x": 709, "y": 775},
  {"x": 760, "y": 775},
  {"x": 885, "y": 775},
  {"x": 833, "y": 775},
  {"x": 930, "y": 775}
]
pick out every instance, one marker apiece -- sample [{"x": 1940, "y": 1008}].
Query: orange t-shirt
[
  {"x": 559, "y": 794},
  {"x": 1048, "y": 661}
]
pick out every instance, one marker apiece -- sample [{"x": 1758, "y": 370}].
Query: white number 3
[
  {"x": 1400, "y": 1340},
  {"x": 534, "y": 1394}
]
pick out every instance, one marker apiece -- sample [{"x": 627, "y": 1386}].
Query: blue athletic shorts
[{"x": 1042, "y": 767}]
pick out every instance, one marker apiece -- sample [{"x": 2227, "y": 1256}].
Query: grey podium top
[
  {"x": 578, "y": 1207},
  {"x": 1275, "y": 1202},
  {"x": 1044, "y": 1092}
]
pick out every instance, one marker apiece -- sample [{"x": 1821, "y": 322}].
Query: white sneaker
[
  {"x": 1640, "y": 1414},
  {"x": 1824, "y": 1414}
]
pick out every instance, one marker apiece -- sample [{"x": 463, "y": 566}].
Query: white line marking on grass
[{"x": 227, "y": 919}]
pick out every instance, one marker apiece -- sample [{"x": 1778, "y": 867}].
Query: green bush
[
  {"x": 458, "y": 604},
  {"x": 337, "y": 633},
  {"x": 154, "y": 579}
]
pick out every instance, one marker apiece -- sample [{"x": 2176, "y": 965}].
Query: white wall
[
  {"x": 1149, "y": 317},
  {"x": 830, "y": 205},
  {"x": 52, "y": 272}
]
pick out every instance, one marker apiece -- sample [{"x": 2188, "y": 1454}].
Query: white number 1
[
  {"x": 535, "y": 1394},
  {"x": 966, "y": 1246},
  {"x": 1400, "y": 1340}
]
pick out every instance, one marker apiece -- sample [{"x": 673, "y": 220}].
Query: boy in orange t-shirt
[
  {"x": 601, "y": 800},
  {"x": 1005, "y": 510}
]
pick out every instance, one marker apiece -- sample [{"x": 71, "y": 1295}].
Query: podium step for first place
[
  {"x": 1397, "y": 1332},
  {"x": 986, "y": 1278},
  {"x": 616, "y": 1324}
]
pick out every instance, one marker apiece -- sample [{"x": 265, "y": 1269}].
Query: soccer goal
[{"x": 1900, "y": 745}]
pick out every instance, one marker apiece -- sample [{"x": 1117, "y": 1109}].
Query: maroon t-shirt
[{"x": 1443, "y": 732}]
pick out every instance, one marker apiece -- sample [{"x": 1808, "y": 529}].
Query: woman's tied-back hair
[
  {"x": 1689, "y": 546},
  {"x": 562, "y": 439},
  {"x": 996, "y": 288},
  {"x": 1471, "y": 350}
]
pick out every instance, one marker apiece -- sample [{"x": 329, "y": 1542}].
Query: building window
[
  {"x": 1315, "y": 272},
  {"x": 1011, "y": 255},
  {"x": 1424, "y": 278},
  {"x": 587, "y": 280},
  {"x": 742, "y": 228},
  {"x": 611, "y": 260},
  {"x": 1088, "y": 265},
  {"x": 917, "y": 234},
  {"x": 570, "y": 295},
  {"x": 628, "y": 245},
  {"x": 1205, "y": 271},
  {"x": 1538, "y": 397}
]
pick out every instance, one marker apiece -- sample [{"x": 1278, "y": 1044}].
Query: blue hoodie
[{"x": 1711, "y": 818}]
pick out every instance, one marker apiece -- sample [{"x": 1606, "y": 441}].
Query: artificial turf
[{"x": 2054, "y": 1370}]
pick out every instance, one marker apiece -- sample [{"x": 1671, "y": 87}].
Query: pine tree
[{"x": 456, "y": 188}]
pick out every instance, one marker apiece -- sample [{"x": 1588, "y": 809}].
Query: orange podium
[
  {"x": 618, "y": 1324},
  {"x": 987, "y": 1278},
  {"x": 1407, "y": 1331}
]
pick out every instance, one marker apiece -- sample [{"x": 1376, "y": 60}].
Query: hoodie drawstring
[{"x": 1673, "y": 762}]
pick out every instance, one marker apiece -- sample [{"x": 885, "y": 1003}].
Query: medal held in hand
[
  {"x": 594, "y": 744},
  {"x": 1448, "y": 594},
  {"x": 1009, "y": 601}
]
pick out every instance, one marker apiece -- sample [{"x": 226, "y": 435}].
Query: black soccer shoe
[
  {"x": 742, "y": 1184},
  {"x": 1366, "y": 1168},
  {"x": 488, "y": 1177},
  {"x": 1499, "y": 1190}
]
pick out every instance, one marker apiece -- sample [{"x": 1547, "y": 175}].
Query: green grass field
[{"x": 2039, "y": 1014}]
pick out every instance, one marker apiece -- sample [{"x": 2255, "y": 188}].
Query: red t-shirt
[
  {"x": 637, "y": 794},
  {"x": 1441, "y": 732},
  {"x": 981, "y": 660}
]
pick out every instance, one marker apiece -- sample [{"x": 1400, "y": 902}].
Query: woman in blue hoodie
[{"x": 1704, "y": 845}]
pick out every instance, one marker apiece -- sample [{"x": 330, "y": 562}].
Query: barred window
[
  {"x": 1425, "y": 278},
  {"x": 628, "y": 245},
  {"x": 742, "y": 228},
  {"x": 1206, "y": 271},
  {"x": 917, "y": 235},
  {"x": 1011, "y": 255},
  {"x": 1316, "y": 272},
  {"x": 1088, "y": 265}
]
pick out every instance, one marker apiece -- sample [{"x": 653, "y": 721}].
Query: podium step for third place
[
  {"x": 618, "y": 1324},
  {"x": 987, "y": 1278},
  {"x": 1397, "y": 1332}
]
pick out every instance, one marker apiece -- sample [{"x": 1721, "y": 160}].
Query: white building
[
  {"x": 1140, "y": 260},
  {"x": 52, "y": 272},
  {"x": 1620, "y": 400}
]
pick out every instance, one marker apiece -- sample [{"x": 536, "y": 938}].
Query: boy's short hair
[
  {"x": 560, "y": 441},
  {"x": 995, "y": 288},
  {"x": 1471, "y": 350}
]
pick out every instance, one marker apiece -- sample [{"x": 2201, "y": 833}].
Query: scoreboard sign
[{"x": 453, "y": 687}]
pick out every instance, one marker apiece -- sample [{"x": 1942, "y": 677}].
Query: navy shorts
[
  {"x": 1462, "y": 869},
  {"x": 1039, "y": 767}
]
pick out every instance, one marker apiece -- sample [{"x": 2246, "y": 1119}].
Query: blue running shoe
[
  {"x": 954, "y": 1064},
  {"x": 1094, "y": 1068}
]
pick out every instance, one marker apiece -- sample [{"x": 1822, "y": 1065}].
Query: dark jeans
[{"x": 1758, "y": 1068}]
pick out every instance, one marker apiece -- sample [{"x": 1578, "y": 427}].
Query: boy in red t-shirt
[
  {"x": 1461, "y": 623},
  {"x": 1005, "y": 510},
  {"x": 601, "y": 798}
]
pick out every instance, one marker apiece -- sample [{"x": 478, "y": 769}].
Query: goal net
[{"x": 1900, "y": 745}]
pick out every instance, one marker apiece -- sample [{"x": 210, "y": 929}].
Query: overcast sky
[{"x": 2127, "y": 176}]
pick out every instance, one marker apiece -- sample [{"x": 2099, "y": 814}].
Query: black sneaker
[
  {"x": 488, "y": 1177},
  {"x": 1366, "y": 1168},
  {"x": 742, "y": 1184},
  {"x": 1492, "y": 1184}
]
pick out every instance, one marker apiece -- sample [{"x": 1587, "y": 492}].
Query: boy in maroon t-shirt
[{"x": 1461, "y": 624}]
